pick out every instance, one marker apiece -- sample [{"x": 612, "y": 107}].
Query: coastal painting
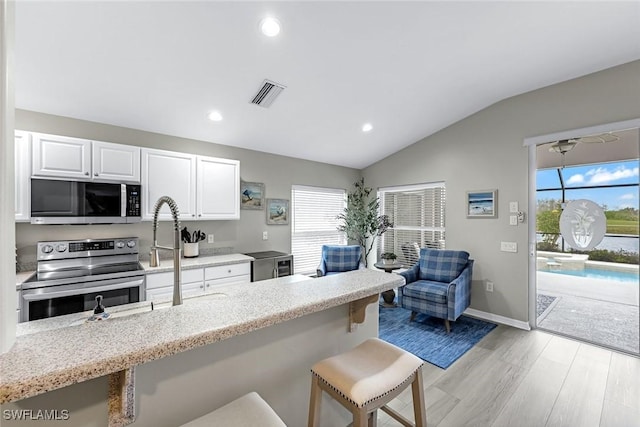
[
  {"x": 277, "y": 211},
  {"x": 482, "y": 204},
  {"x": 251, "y": 195}
]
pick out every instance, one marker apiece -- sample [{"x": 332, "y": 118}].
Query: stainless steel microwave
[{"x": 77, "y": 202}]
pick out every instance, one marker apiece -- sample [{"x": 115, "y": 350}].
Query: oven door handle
[{"x": 72, "y": 292}]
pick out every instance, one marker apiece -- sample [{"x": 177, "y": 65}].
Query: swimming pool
[{"x": 596, "y": 273}]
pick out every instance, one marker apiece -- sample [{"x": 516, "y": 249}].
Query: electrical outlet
[
  {"x": 489, "y": 286},
  {"x": 265, "y": 235},
  {"x": 513, "y": 219},
  {"x": 210, "y": 238}
]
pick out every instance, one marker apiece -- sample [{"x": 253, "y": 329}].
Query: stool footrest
[{"x": 397, "y": 416}]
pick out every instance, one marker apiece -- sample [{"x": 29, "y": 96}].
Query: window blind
[
  {"x": 314, "y": 223},
  {"x": 418, "y": 216}
]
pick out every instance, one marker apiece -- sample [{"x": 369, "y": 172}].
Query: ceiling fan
[{"x": 564, "y": 145}]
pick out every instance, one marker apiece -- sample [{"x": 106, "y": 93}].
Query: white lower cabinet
[
  {"x": 197, "y": 281},
  {"x": 225, "y": 275}
]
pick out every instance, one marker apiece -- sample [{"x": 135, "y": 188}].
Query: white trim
[
  {"x": 591, "y": 130},
  {"x": 497, "y": 319},
  {"x": 412, "y": 187}
]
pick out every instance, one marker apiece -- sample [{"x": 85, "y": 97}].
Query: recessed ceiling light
[
  {"x": 270, "y": 27},
  {"x": 215, "y": 116},
  {"x": 366, "y": 127}
]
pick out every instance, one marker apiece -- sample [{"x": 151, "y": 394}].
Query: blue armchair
[
  {"x": 438, "y": 285},
  {"x": 339, "y": 258}
]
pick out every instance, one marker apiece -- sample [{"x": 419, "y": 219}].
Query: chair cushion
[
  {"x": 427, "y": 290},
  {"x": 368, "y": 371},
  {"x": 441, "y": 265},
  {"x": 341, "y": 258}
]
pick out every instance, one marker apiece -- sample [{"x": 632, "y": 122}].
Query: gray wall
[
  {"x": 278, "y": 173},
  {"x": 485, "y": 151}
]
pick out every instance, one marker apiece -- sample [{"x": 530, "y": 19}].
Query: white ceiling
[{"x": 409, "y": 68}]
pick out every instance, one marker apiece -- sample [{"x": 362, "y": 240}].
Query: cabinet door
[
  {"x": 165, "y": 173},
  {"x": 218, "y": 188},
  {"x": 61, "y": 156},
  {"x": 116, "y": 162},
  {"x": 22, "y": 176}
]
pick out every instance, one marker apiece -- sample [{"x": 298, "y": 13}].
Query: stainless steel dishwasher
[{"x": 270, "y": 264}]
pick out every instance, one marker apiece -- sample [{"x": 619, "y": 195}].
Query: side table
[{"x": 390, "y": 295}]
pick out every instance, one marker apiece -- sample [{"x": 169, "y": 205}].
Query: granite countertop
[
  {"x": 52, "y": 353},
  {"x": 197, "y": 262}
]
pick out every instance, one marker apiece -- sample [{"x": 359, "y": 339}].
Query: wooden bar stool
[
  {"x": 249, "y": 410},
  {"x": 365, "y": 379}
]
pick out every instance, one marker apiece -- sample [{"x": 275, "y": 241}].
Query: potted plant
[
  {"x": 388, "y": 258},
  {"x": 360, "y": 220}
]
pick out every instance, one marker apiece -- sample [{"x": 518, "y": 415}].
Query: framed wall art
[
  {"x": 482, "y": 204},
  {"x": 277, "y": 211},
  {"x": 251, "y": 195}
]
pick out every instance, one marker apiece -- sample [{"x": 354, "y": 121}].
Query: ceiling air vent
[{"x": 267, "y": 93}]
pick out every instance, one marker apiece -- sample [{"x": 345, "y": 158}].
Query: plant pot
[
  {"x": 388, "y": 261},
  {"x": 190, "y": 250}
]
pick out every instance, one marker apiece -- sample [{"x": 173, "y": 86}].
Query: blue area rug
[{"x": 427, "y": 338}]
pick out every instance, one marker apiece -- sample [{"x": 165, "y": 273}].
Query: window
[
  {"x": 417, "y": 213},
  {"x": 314, "y": 224}
]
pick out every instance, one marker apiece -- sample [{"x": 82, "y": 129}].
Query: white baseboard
[{"x": 497, "y": 319}]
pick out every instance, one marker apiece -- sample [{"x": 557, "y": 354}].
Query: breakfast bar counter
[{"x": 68, "y": 350}]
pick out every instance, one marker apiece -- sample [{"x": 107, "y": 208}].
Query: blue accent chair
[
  {"x": 438, "y": 285},
  {"x": 339, "y": 258}
]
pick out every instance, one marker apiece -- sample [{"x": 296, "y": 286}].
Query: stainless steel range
[{"x": 70, "y": 274}]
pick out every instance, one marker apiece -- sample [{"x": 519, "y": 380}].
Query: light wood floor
[{"x": 530, "y": 378}]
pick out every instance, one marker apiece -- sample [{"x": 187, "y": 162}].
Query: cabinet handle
[
  {"x": 95, "y": 174},
  {"x": 193, "y": 214},
  {"x": 208, "y": 285},
  {"x": 199, "y": 214},
  {"x": 86, "y": 173}
]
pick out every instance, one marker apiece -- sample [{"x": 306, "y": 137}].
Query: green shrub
[{"x": 620, "y": 256}]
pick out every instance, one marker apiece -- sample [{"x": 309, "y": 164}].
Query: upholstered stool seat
[
  {"x": 246, "y": 411},
  {"x": 365, "y": 379}
]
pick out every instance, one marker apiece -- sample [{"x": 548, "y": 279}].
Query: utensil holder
[{"x": 190, "y": 250}]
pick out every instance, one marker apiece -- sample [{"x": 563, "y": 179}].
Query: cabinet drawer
[
  {"x": 231, "y": 270},
  {"x": 211, "y": 284},
  {"x": 156, "y": 280}
]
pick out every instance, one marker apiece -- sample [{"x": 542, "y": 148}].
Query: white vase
[{"x": 387, "y": 261}]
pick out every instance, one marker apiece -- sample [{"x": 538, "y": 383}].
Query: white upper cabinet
[
  {"x": 22, "y": 176},
  {"x": 205, "y": 188},
  {"x": 61, "y": 156},
  {"x": 167, "y": 173},
  {"x": 115, "y": 162},
  {"x": 75, "y": 158},
  {"x": 218, "y": 188}
]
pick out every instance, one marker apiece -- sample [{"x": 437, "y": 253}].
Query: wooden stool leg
[
  {"x": 360, "y": 418},
  {"x": 413, "y": 316},
  {"x": 373, "y": 418},
  {"x": 447, "y": 325},
  {"x": 419, "y": 406},
  {"x": 314, "y": 402}
]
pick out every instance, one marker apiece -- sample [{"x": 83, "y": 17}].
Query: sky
[{"x": 594, "y": 175}]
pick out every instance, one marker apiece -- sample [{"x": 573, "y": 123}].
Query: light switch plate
[
  {"x": 508, "y": 246},
  {"x": 513, "y": 219},
  {"x": 209, "y": 238},
  {"x": 513, "y": 207},
  {"x": 265, "y": 235}
]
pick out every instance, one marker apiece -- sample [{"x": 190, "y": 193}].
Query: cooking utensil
[{"x": 185, "y": 235}]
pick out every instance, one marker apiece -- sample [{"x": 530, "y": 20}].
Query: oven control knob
[
  {"x": 47, "y": 249},
  {"x": 61, "y": 248},
  {"x": 131, "y": 243},
  {"x": 120, "y": 244}
]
